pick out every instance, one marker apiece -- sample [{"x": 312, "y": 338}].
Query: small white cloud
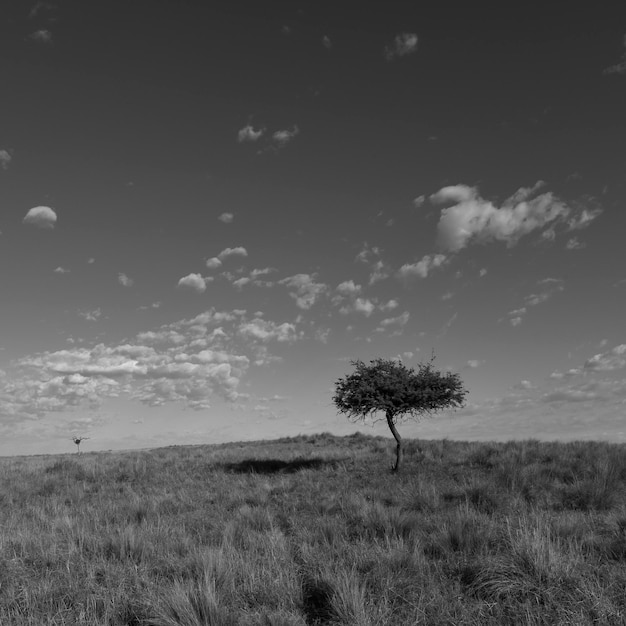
[
  {"x": 41, "y": 36},
  {"x": 389, "y": 306},
  {"x": 61, "y": 270},
  {"x": 618, "y": 68},
  {"x": 515, "y": 321},
  {"x": 247, "y": 133},
  {"x": 91, "y": 261},
  {"x": 403, "y": 44},
  {"x": 283, "y": 137},
  {"x": 41, "y": 216},
  {"x": 474, "y": 363},
  {"x": 213, "y": 263},
  {"x": 483, "y": 272},
  {"x": 193, "y": 281},
  {"x": 124, "y": 280},
  {"x": 239, "y": 251},
  {"x": 424, "y": 267},
  {"x": 226, "y": 218},
  {"x": 326, "y": 42},
  {"x": 5, "y": 159},
  {"x": 348, "y": 288},
  {"x": 364, "y": 305}
]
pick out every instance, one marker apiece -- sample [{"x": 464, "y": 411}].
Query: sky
[{"x": 208, "y": 210}]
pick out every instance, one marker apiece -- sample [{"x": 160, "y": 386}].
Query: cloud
[
  {"x": 419, "y": 201},
  {"x": 483, "y": 272},
  {"x": 618, "y": 68},
  {"x": 41, "y": 36},
  {"x": 266, "y": 331},
  {"x": 91, "y": 316},
  {"x": 574, "y": 244},
  {"x": 424, "y": 267},
  {"x": 474, "y": 363},
  {"x": 403, "y": 44},
  {"x": 348, "y": 288},
  {"x": 189, "y": 361},
  {"x": 304, "y": 290},
  {"x": 247, "y": 133},
  {"x": 227, "y": 252},
  {"x": 394, "y": 322},
  {"x": 213, "y": 263},
  {"x": 364, "y": 305},
  {"x": 283, "y": 137},
  {"x": 226, "y": 218},
  {"x": 614, "y": 359},
  {"x": 38, "y": 7},
  {"x": 61, "y": 270},
  {"x": 193, "y": 281},
  {"x": 548, "y": 287},
  {"x": 41, "y": 216},
  {"x": 326, "y": 42},
  {"x": 472, "y": 218},
  {"x": 124, "y": 280},
  {"x": 5, "y": 159},
  {"x": 390, "y": 305},
  {"x": 379, "y": 272}
]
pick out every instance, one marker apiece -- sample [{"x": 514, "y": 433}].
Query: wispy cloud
[
  {"x": 403, "y": 44},
  {"x": 226, "y": 218},
  {"x": 91, "y": 316},
  {"x": 39, "y": 7},
  {"x": 41, "y": 36},
  {"x": 5, "y": 159},
  {"x": 61, "y": 270},
  {"x": 41, "y": 216},
  {"x": 125, "y": 280},
  {"x": 620, "y": 67},
  {"x": 326, "y": 42},
  {"x": 547, "y": 288},
  {"x": 614, "y": 359}
]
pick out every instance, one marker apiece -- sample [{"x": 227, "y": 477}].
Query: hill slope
[{"x": 316, "y": 530}]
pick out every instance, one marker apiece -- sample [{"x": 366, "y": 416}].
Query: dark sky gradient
[{"x": 124, "y": 118}]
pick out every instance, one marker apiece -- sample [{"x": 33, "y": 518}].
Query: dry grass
[{"x": 316, "y": 530}]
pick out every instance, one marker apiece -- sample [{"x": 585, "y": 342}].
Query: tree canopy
[{"x": 390, "y": 387}]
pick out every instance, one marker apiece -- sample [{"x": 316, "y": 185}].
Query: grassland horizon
[{"x": 315, "y": 529}]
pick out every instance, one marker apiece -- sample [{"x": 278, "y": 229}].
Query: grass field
[{"x": 316, "y": 530}]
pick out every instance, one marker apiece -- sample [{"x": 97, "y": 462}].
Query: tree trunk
[{"x": 396, "y": 434}]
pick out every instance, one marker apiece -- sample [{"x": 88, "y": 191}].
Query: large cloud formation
[
  {"x": 190, "y": 361},
  {"x": 41, "y": 216},
  {"x": 469, "y": 217}
]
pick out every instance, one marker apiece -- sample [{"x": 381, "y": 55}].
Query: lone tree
[
  {"x": 77, "y": 441},
  {"x": 389, "y": 387}
]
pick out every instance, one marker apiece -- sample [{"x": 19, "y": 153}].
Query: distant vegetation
[{"x": 308, "y": 530}]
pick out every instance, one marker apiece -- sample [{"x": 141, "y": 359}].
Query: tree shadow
[{"x": 276, "y": 466}]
